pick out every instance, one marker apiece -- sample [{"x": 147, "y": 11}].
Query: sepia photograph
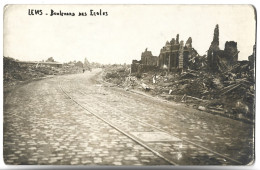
[{"x": 129, "y": 85}]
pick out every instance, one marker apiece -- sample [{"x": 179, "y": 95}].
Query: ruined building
[
  {"x": 221, "y": 60},
  {"x": 252, "y": 58},
  {"x": 147, "y": 62},
  {"x": 148, "y": 59},
  {"x": 175, "y": 56}
]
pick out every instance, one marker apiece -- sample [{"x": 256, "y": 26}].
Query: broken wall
[
  {"x": 147, "y": 58},
  {"x": 221, "y": 60}
]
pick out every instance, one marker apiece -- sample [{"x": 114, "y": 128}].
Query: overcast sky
[{"x": 124, "y": 34}]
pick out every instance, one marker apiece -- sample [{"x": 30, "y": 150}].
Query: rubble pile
[
  {"x": 116, "y": 74},
  {"x": 216, "y": 82},
  {"x": 70, "y": 69},
  {"x": 9, "y": 74},
  {"x": 224, "y": 93},
  {"x": 229, "y": 93},
  {"x": 15, "y": 72}
]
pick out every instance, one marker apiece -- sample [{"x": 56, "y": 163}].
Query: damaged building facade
[
  {"x": 175, "y": 56},
  {"x": 147, "y": 62},
  {"x": 147, "y": 58},
  {"x": 221, "y": 60},
  {"x": 217, "y": 81}
]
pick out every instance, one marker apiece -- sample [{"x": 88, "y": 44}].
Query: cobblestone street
[{"x": 80, "y": 120}]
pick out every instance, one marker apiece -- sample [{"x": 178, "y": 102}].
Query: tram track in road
[
  {"x": 161, "y": 130},
  {"x": 118, "y": 129},
  {"x": 156, "y": 152}
]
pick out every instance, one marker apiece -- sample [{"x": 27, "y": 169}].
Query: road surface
[{"x": 80, "y": 120}]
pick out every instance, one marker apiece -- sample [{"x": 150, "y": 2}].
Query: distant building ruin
[
  {"x": 147, "y": 62},
  {"x": 252, "y": 58},
  {"x": 221, "y": 60},
  {"x": 175, "y": 55},
  {"x": 148, "y": 59}
]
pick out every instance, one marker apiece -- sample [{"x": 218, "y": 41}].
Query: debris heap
[
  {"x": 16, "y": 71},
  {"x": 216, "y": 82}
]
